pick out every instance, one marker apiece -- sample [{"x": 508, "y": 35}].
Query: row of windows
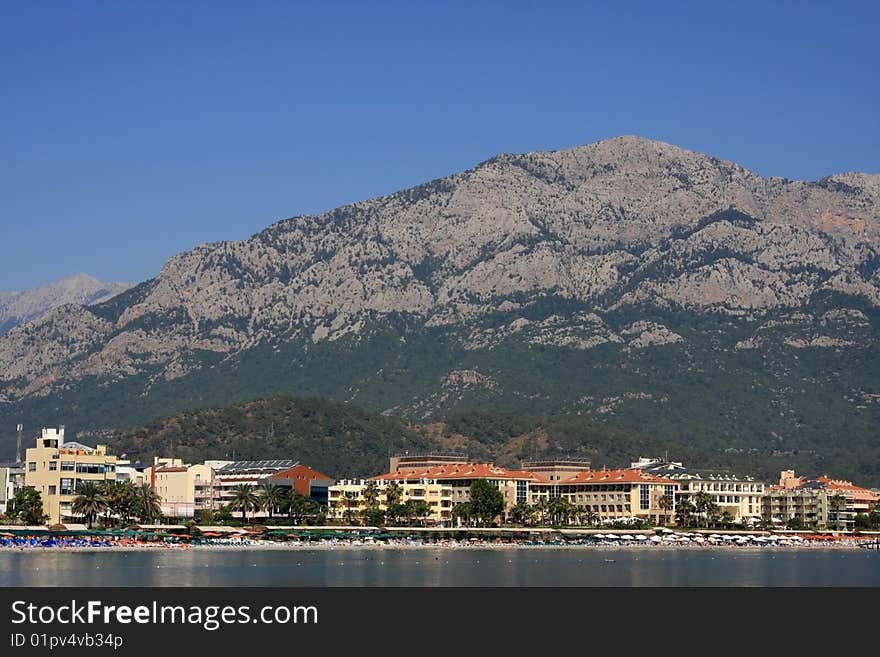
[
  {"x": 71, "y": 466},
  {"x": 644, "y": 497},
  {"x": 738, "y": 488}
]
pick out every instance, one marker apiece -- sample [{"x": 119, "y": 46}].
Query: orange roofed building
[
  {"x": 613, "y": 494},
  {"x": 811, "y": 500},
  {"x": 304, "y": 480},
  {"x": 440, "y": 486}
]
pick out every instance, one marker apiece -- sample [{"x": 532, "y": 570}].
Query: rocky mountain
[
  {"x": 654, "y": 288},
  {"x": 21, "y": 307}
]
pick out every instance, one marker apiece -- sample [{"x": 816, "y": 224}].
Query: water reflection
[{"x": 443, "y": 567}]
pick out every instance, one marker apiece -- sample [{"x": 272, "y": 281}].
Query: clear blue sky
[{"x": 132, "y": 131}]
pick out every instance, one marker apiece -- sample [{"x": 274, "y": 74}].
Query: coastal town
[{"x": 65, "y": 493}]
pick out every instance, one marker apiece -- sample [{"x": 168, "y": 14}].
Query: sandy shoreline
[{"x": 307, "y": 547}]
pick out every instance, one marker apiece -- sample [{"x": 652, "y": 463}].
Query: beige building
[
  {"x": 556, "y": 469},
  {"x": 56, "y": 468},
  {"x": 612, "y": 494},
  {"x": 813, "y": 501},
  {"x": 739, "y": 495},
  {"x": 809, "y": 506},
  {"x": 440, "y": 486},
  {"x": 183, "y": 489}
]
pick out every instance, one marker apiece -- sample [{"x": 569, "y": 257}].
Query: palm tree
[
  {"x": 370, "y": 493},
  {"x": 588, "y": 516},
  {"x": 683, "y": 510},
  {"x": 520, "y": 513},
  {"x": 120, "y": 496},
  {"x": 703, "y": 503},
  {"x": 270, "y": 496},
  {"x": 243, "y": 499},
  {"x": 147, "y": 504},
  {"x": 835, "y": 502},
  {"x": 393, "y": 493},
  {"x": 90, "y": 501},
  {"x": 541, "y": 508},
  {"x": 666, "y": 504},
  {"x": 297, "y": 505},
  {"x": 350, "y": 501}
]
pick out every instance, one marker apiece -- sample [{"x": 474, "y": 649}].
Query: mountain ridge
[{"x": 81, "y": 288}]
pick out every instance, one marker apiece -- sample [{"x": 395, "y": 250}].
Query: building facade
[
  {"x": 806, "y": 506},
  {"x": 612, "y": 494},
  {"x": 184, "y": 489},
  {"x": 738, "y": 495},
  {"x": 11, "y": 479},
  {"x": 305, "y": 481},
  {"x": 56, "y": 469},
  {"x": 820, "y": 502},
  {"x": 441, "y": 487}
]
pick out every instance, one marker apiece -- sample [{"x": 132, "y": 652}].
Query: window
[
  {"x": 66, "y": 486},
  {"x": 51, "y": 490},
  {"x": 644, "y": 497},
  {"x": 90, "y": 468},
  {"x": 32, "y": 466},
  {"x": 669, "y": 491},
  {"x": 53, "y": 466},
  {"x": 521, "y": 490},
  {"x": 67, "y": 466}
]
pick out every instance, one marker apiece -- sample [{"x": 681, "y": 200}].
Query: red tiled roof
[
  {"x": 842, "y": 486},
  {"x": 170, "y": 469},
  {"x": 616, "y": 477},
  {"x": 298, "y": 471},
  {"x": 458, "y": 471}
]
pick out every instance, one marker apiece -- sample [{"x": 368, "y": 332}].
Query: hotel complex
[{"x": 649, "y": 490}]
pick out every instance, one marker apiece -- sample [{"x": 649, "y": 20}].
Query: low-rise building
[
  {"x": 612, "y": 494},
  {"x": 56, "y": 469},
  {"x": 409, "y": 461},
  {"x": 235, "y": 473},
  {"x": 808, "y": 507},
  {"x": 305, "y": 481},
  {"x": 737, "y": 494},
  {"x": 820, "y": 502},
  {"x": 183, "y": 489},
  {"x": 441, "y": 487},
  {"x": 11, "y": 479},
  {"x": 556, "y": 469}
]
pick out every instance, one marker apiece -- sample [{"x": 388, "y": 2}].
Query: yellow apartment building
[
  {"x": 56, "y": 468},
  {"x": 612, "y": 494},
  {"x": 183, "y": 489},
  {"x": 440, "y": 486}
]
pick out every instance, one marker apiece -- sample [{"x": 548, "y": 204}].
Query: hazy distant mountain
[
  {"x": 648, "y": 287},
  {"x": 20, "y": 307}
]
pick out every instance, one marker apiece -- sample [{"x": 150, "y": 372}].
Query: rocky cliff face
[
  {"x": 22, "y": 307},
  {"x": 609, "y": 254},
  {"x": 623, "y": 222}
]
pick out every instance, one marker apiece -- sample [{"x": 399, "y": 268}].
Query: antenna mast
[{"x": 18, "y": 430}]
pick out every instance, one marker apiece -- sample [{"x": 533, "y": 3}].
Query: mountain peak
[{"x": 80, "y": 288}]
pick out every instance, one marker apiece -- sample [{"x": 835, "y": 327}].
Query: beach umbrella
[
  {"x": 598, "y": 535},
  {"x": 613, "y": 537},
  {"x": 666, "y": 530},
  {"x": 640, "y": 537},
  {"x": 655, "y": 539}
]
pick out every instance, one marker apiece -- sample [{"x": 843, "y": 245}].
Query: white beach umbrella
[
  {"x": 640, "y": 537},
  {"x": 655, "y": 539}
]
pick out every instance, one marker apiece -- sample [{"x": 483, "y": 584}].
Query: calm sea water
[{"x": 444, "y": 567}]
